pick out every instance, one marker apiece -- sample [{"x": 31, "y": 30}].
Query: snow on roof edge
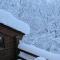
[
  {"x": 9, "y": 20},
  {"x": 39, "y": 52}
]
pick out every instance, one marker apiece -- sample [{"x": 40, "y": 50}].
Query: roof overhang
[{"x": 8, "y": 19}]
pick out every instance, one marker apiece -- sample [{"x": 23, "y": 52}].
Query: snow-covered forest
[{"x": 43, "y": 16}]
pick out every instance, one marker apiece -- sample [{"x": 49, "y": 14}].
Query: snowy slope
[{"x": 9, "y": 20}]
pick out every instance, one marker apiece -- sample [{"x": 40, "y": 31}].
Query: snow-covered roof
[
  {"x": 9, "y": 20},
  {"x": 39, "y": 52}
]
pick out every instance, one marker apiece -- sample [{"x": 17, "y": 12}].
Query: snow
[
  {"x": 40, "y": 58},
  {"x": 39, "y": 52},
  {"x": 26, "y": 56},
  {"x": 9, "y": 20},
  {"x": 38, "y": 14}
]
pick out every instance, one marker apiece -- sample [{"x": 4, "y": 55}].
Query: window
[{"x": 1, "y": 41}]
